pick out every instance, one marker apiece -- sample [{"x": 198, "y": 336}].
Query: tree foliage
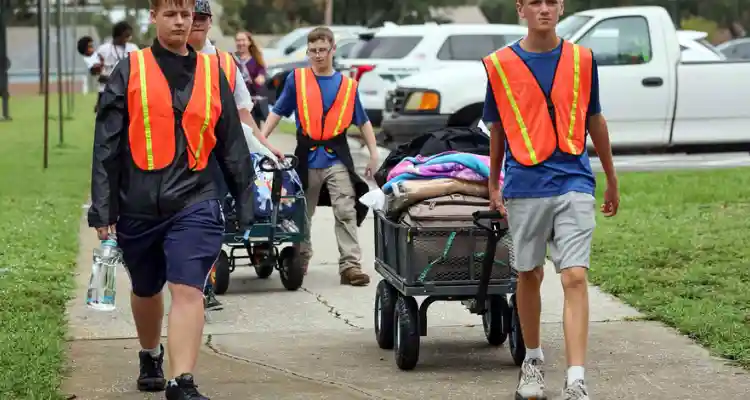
[{"x": 277, "y": 16}]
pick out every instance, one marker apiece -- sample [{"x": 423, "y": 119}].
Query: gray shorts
[{"x": 564, "y": 223}]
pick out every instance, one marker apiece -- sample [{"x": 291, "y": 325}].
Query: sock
[
  {"x": 155, "y": 352},
  {"x": 535, "y": 354},
  {"x": 574, "y": 374},
  {"x": 172, "y": 382}
]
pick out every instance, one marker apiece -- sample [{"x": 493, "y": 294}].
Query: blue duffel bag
[{"x": 262, "y": 184}]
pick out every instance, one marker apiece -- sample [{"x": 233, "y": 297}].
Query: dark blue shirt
[
  {"x": 562, "y": 172},
  {"x": 320, "y": 156}
]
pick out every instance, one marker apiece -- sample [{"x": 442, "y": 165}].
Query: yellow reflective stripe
[
  {"x": 305, "y": 112},
  {"x": 228, "y": 62},
  {"x": 516, "y": 111},
  {"x": 576, "y": 87},
  {"x": 144, "y": 108},
  {"x": 349, "y": 83},
  {"x": 207, "y": 119}
]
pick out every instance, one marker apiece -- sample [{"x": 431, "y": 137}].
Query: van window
[
  {"x": 473, "y": 47},
  {"x": 386, "y": 47},
  {"x": 619, "y": 41}
]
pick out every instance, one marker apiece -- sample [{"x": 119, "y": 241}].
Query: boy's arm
[
  {"x": 232, "y": 154},
  {"x": 491, "y": 118},
  {"x": 598, "y": 130},
  {"x": 109, "y": 131},
  {"x": 284, "y": 107},
  {"x": 362, "y": 120}
]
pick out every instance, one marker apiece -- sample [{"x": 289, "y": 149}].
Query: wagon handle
[{"x": 492, "y": 215}]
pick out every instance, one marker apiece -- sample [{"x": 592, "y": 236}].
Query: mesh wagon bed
[
  {"x": 440, "y": 261},
  {"x": 445, "y": 263}
]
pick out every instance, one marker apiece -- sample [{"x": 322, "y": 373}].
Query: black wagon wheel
[
  {"x": 290, "y": 268},
  {"x": 385, "y": 307},
  {"x": 259, "y": 255},
  {"x": 406, "y": 319},
  {"x": 493, "y": 320},
  {"x": 220, "y": 274},
  {"x": 517, "y": 345}
]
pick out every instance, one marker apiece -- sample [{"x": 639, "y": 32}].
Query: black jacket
[{"x": 119, "y": 188}]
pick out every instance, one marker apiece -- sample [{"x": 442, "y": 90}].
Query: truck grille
[{"x": 395, "y": 100}]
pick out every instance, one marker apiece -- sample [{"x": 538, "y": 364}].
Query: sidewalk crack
[{"x": 332, "y": 309}]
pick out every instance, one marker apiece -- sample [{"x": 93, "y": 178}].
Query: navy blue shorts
[{"x": 181, "y": 249}]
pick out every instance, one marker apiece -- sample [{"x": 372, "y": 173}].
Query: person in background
[
  {"x": 198, "y": 39},
  {"x": 113, "y": 51},
  {"x": 163, "y": 112},
  {"x": 251, "y": 59},
  {"x": 93, "y": 60},
  {"x": 325, "y": 104},
  {"x": 542, "y": 103}
]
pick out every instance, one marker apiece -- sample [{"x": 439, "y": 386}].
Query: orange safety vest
[
  {"x": 314, "y": 122},
  {"x": 151, "y": 116},
  {"x": 536, "y": 125},
  {"x": 229, "y": 66}
]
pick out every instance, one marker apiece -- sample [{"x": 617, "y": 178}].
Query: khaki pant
[{"x": 343, "y": 201}]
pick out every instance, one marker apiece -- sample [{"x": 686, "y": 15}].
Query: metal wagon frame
[
  {"x": 409, "y": 269},
  {"x": 263, "y": 239}
]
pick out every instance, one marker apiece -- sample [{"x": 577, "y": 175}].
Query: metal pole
[
  {"x": 4, "y": 62},
  {"x": 40, "y": 43},
  {"x": 66, "y": 57},
  {"x": 74, "y": 33},
  {"x": 46, "y": 84},
  {"x": 329, "y": 13},
  {"x": 59, "y": 69}
]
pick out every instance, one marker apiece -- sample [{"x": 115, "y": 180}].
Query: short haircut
[
  {"x": 156, "y": 4},
  {"x": 320, "y": 33},
  {"x": 121, "y": 28},
  {"x": 83, "y": 44}
]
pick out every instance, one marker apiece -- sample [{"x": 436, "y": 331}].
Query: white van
[{"x": 397, "y": 51}]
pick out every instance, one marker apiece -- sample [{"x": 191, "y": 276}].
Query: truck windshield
[{"x": 568, "y": 26}]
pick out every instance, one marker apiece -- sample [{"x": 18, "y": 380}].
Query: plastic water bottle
[{"x": 102, "y": 285}]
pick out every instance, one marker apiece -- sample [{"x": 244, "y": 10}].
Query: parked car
[
  {"x": 396, "y": 52},
  {"x": 289, "y": 43},
  {"x": 651, "y": 96},
  {"x": 737, "y": 49}
]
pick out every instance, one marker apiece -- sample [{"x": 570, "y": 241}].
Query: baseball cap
[{"x": 203, "y": 7}]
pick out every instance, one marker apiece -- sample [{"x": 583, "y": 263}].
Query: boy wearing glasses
[{"x": 325, "y": 103}]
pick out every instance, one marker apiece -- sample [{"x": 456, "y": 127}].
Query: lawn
[
  {"x": 39, "y": 218},
  {"x": 679, "y": 251}
]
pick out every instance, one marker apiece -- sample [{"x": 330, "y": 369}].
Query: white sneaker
[
  {"x": 576, "y": 391},
  {"x": 531, "y": 381}
]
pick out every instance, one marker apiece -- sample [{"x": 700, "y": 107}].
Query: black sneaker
[
  {"x": 211, "y": 303},
  {"x": 151, "y": 378},
  {"x": 183, "y": 388}
]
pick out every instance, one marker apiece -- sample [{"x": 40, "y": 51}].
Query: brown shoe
[{"x": 355, "y": 277}]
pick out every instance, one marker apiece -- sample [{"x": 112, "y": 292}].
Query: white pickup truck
[{"x": 652, "y": 99}]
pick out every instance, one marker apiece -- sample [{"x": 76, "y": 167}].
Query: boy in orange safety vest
[
  {"x": 542, "y": 100},
  {"x": 325, "y": 103}
]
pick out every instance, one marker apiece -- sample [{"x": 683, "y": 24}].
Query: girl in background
[{"x": 254, "y": 72}]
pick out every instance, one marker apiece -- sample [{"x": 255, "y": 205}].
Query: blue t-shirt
[
  {"x": 320, "y": 156},
  {"x": 562, "y": 172}
]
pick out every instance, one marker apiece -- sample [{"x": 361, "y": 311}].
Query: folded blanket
[
  {"x": 450, "y": 164},
  {"x": 409, "y": 192}
]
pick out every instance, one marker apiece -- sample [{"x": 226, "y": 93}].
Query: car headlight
[{"x": 422, "y": 101}]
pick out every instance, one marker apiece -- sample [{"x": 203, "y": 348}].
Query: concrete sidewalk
[{"x": 318, "y": 343}]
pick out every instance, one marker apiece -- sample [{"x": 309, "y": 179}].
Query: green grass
[
  {"x": 679, "y": 251},
  {"x": 40, "y": 212}
]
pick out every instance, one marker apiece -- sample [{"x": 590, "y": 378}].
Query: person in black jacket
[{"x": 165, "y": 110}]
